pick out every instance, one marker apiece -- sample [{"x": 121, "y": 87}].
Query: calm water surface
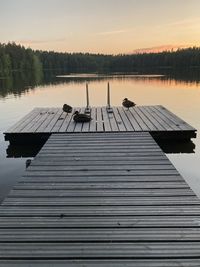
[{"x": 20, "y": 95}]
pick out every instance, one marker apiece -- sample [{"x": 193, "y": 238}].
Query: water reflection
[
  {"x": 176, "y": 147},
  {"x": 30, "y": 151},
  {"x": 22, "y": 82},
  {"x": 23, "y": 151}
]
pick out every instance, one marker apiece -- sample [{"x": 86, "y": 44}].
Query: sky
[{"x": 101, "y": 26}]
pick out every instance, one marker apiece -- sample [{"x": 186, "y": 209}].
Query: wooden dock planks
[
  {"x": 100, "y": 199},
  {"x": 155, "y": 119}
]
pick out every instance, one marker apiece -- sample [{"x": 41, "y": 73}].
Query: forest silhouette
[{"x": 15, "y": 57}]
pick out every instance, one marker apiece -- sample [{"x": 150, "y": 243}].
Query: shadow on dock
[{"x": 30, "y": 151}]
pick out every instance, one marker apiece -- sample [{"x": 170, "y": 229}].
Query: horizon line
[{"x": 147, "y": 50}]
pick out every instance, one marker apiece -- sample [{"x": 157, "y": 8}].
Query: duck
[
  {"x": 81, "y": 117},
  {"x": 128, "y": 103},
  {"x": 67, "y": 108},
  {"x": 28, "y": 163}
]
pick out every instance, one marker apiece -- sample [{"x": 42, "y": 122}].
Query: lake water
[{"x": 19, "y": 94}]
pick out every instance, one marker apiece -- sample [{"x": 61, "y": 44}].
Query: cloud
[
  {"x": 185, "y": 22},
  {"x": 113, "y": 32},
  {"x": 157, "y": 49},
  {"x": 32, "y": 42}
]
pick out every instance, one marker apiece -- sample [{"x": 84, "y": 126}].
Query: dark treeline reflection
[
  {"x": 185, "y": 75},
  {"x": 19, "y": 83}
]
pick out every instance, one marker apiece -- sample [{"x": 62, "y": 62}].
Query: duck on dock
[
  {"x": 67, "y": 108},
  {"x": 128, "y": 103},
  {"x": 81, "y": 117}
]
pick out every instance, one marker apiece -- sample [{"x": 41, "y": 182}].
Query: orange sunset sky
[{"x": 101, "y": 26}]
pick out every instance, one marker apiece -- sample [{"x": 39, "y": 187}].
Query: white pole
[
  {"x": 108, "y": 95},
  {"x": 87, "y": 109},
  {"x": 87, "y": 96},
  {"x": 109, "y": 109}
]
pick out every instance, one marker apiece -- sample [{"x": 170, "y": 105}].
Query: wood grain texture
[{"x": 101, "y": 199}]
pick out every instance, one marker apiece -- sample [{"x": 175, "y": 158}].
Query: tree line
[{"x": 15, "y": 57}]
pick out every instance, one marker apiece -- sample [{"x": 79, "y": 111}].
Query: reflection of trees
[
  {"x": 23, "y": 69},
  {"x": 185, "y": 75},
  {"x": 20, "y": 82}
]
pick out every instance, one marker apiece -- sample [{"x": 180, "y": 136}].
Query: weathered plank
[
  {"x": 105, "y": 178},
  {"x": 125, "y": 120},
  {"x": 29, "y": 124},
  {"x": 169, "y": 126},
  {"x": 170, "y": 192},
  {"x": 175, "y": 119},
  {"x": 53, "y": 122},
  {"x": 23, "y": 121},
  {"x": 84, "y": 162},
  {"x": 142, "y": 125},
  {"x": 101, "y": 201},
  {"x": 93, "y": 122},
  {"x": 82, "y": 173},
  {"x": 103, "y": 263},
  {"x": 51, "y": 114},
  {"x": 106, "y": 121},
  {"x": 68, "y": 186},
  {"x": 109, "y": 250},
  {"x": 154, "y": 120},
  {"x": 113, "y": 122},
  {"x": 157, "y": 221},
  {"x": 119, "y": 120},
  {"x": 100, "y": 235},
  {"x": 99, "y": 210},
  {"x": 133, "y": 121},
  {"x": 99, "y": 120},
  {"x": 146, "y": 119},
  {"x": 66, "y": 121}
]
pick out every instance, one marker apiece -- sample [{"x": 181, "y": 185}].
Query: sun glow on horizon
[{"x": 108, "y": 27}]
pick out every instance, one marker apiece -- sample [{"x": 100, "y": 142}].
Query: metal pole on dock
[
  {"x": 109, "y": 109},
  {"x": 87, "y": 109}
]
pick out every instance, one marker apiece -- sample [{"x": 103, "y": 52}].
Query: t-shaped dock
[{"x": 101, "y": 194}]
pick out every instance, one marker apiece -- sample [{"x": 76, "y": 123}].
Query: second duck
[{"x": 81, "y": 117}]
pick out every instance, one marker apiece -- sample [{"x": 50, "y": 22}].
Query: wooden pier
[
  {"x": 40, "y": 123},
  {"x": 103, "y": 200},
  {"x": 100, "y": 194}
]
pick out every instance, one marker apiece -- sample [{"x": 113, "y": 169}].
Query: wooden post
[
  {"x": 87, "y": 95},
  {"x": 109, "y": 109},
  {"x": 87, "y": 109}
]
